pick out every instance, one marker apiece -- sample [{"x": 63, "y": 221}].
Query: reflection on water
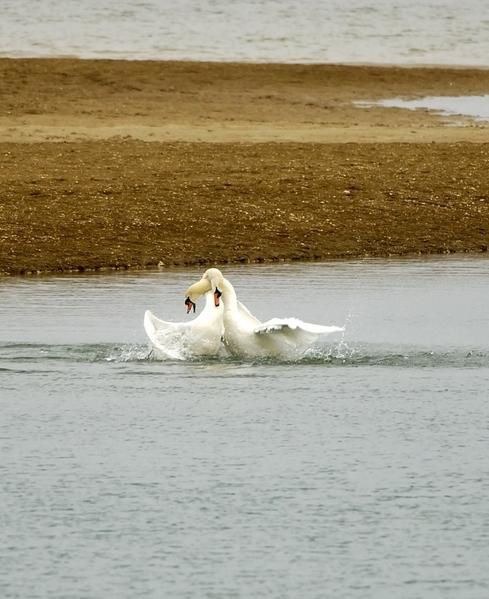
[
  {"x": 358, "y": 470},
  {"x": 475, "y": 107}
]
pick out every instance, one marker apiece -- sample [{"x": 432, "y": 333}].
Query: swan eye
[{"x": 190, "y": 305}]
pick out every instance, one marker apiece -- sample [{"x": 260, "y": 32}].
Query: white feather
[{"x": 201, "y": 336}]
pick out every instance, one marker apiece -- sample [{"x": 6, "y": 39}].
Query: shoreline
[
  {"x": 109, "y": 270},
  {"x": 389, "y": 65},
  {"x": 130, "y": 164},
  {"x": 118, "y": 204}
]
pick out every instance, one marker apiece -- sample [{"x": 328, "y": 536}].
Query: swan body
[
  {"x": 244, "y": 334},
  {"x": 201, "y": 336}
]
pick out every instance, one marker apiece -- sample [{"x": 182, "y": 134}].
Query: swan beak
[
  {"x": 217, "y": 295},
  {"x": 190, "y": 305}
]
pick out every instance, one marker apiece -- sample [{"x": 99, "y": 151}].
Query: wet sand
[{"x": 116, "y": 164}]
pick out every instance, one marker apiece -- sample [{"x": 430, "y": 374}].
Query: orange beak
[{"x": 217, "y": 295}]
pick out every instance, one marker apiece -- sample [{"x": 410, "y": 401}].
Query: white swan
[
  {"x": 245, "y": 335},
  {"x": 201, "y": 336}
]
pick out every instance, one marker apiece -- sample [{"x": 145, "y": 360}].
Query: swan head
[{"x": 211, "y": 280}]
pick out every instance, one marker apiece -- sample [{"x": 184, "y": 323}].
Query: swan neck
[{"x": 229, "y": 296}]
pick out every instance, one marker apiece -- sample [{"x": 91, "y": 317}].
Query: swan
[
  {"x": 244, "y": 334},
  {"x": 201, "y": 336}
]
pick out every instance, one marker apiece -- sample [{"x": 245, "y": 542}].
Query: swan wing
[
  {"x": 157, "y": 330},
  {"x": 293, "y": 332},
  {"x": 295, "y": 325},
  {"x": 178, "y": 340}
]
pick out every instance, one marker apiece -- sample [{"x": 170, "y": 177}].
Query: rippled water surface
[
  {"x": 475, "y": 107},
  {"x": 359, "y": 471},
  {"x": 379, "y": 31}
]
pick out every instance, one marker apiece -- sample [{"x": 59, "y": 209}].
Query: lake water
[
  {"x": 360, "y": 471},
  {"x": 475, "y": 107},
  {"x": 357, "y": 31}
]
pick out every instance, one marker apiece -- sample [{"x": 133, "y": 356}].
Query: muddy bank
[
  {"x": 124, "y": 204},
  {"x": 80, "y": 100},
  {"x": 115, "y": 164}
]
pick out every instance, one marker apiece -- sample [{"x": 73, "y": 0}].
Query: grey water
[
  {"x": 475, "y": 107},
  {"x": 357, "y": 471},
  {"x": 317, "y": 31}
]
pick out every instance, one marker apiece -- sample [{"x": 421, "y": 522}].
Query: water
[
  {"x": 360, "y": 471},
  {"x": 475, "y": 107},
  {"x": 358, "y": 31}
]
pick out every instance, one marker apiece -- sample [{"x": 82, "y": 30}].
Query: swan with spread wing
[
  {"x": 243, "y": 334},
  {"x": 201, "y": 336}
]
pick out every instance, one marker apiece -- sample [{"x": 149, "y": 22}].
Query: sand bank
[{"x": 118, "y": 163}]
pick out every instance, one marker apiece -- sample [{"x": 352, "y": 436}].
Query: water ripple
[{"x": 341, "y": 354}]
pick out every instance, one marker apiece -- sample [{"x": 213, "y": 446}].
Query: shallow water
[
  {"x": 359, "y": 471},
  {"x": 475, "y": 107},
  {"x": 358, "y": 31}
]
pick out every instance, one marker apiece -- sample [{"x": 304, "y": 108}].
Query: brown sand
[{"x": 81, "y": 187}]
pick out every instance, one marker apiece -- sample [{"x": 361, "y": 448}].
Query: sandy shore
[{"x": 119, "y": 163}]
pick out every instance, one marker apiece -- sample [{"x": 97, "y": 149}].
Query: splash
[
  {"x": 339, "y": 354},
  {"x": 85, "y": 352}
]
